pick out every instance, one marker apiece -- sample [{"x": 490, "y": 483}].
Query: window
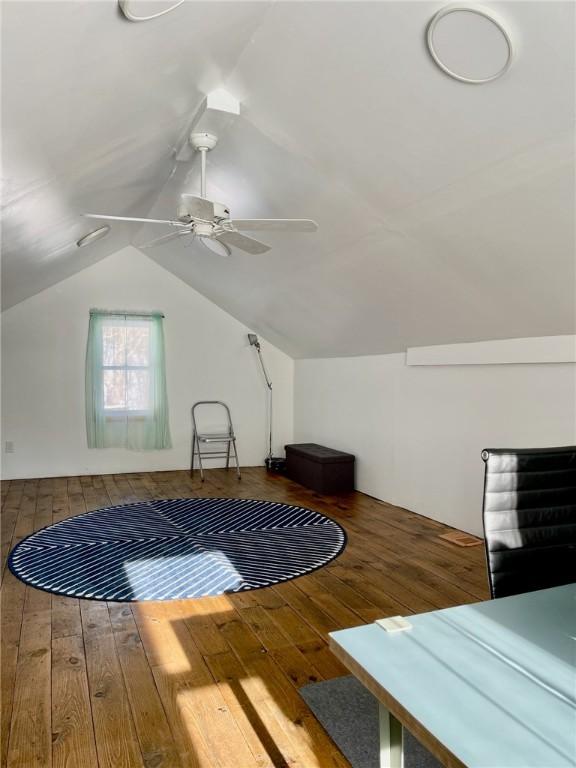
[
  {"x": 126, "y": 366},
  {"x": 126, "y": 401}
]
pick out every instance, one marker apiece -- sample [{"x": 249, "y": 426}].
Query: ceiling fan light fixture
[
  {"x": 91, "y": 237},
  {"x": 220, "y": 249}
]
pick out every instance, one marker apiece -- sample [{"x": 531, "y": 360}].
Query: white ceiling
[{"x": 446, "y": 210}]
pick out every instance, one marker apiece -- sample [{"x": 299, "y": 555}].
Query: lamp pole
[{"x": 253, "y": 339}]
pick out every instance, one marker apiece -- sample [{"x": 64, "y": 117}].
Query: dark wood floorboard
[{"x": 214, "y": 682}]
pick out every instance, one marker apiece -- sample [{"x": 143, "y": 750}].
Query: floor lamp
[{"x": 272, "y": 463}]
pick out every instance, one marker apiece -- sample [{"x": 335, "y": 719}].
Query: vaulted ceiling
[{"x": 446, "y": 210}]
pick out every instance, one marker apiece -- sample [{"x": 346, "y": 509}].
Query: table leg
[{"x": 391, "y": 747}]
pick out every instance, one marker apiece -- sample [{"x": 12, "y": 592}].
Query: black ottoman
[{"x": 322, "y": 469}]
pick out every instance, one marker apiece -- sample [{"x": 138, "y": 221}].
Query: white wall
[
  {"x": 43, "y": 354},
  {"x": 417, "y": 432}
]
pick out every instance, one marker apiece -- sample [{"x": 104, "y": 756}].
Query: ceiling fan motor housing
[
  {"x": 193, "y": 207},
  {"x": 203, "y": 230},
  {"x": 221, "y": 211}
]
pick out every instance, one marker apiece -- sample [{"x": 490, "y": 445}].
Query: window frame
[{"x": 120, "y": 414}]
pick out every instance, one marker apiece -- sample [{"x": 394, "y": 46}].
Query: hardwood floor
[{"x": 211, "y": 682}]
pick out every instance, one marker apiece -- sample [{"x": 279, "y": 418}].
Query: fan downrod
[{"x": 203, "y": 143}]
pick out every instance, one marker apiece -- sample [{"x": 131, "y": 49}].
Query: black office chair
[{"x": 529, "y": 518}]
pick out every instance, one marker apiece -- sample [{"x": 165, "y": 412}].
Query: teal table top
[{"x": 494, "y": 682}]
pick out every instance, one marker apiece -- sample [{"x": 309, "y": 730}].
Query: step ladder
[{"x": 203, "y": 439}]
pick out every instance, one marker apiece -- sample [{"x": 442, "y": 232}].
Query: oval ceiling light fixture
[
  {"x": 91, "y": 237},
  {"x": 469, "y": 44},
  {"x": 145, "y": 10},
  {"x": 217, "y": 247}
]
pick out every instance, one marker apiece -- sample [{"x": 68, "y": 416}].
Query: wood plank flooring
[{"x": 210, "y": 683}]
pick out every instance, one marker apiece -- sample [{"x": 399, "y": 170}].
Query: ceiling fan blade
[
  {"x": 163, "y": 239},
  {"x": 275, "y": 225},
  {"x": 242, "y": 242},
  {"x": 132, "y": 218},
  {"x": 190, "y": 240}
]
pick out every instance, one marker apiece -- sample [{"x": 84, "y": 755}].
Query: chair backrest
[
  {"x": 213, "y": 409},
  {"x": 529, "y": 517}
]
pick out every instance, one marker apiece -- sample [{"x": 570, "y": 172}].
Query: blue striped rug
[{"x": 176, "y": 548}]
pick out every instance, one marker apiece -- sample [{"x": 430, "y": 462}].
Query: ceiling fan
[{"x": 209, "y": 222}]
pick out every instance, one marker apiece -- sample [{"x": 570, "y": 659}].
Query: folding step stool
[{"x": 200, "y": 438}]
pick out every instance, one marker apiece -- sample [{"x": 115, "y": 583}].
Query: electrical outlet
[{"x": 9, "y": 446}]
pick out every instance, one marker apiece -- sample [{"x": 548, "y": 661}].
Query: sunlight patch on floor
[
  {"x": 164, "y": 576},
  {"x": 159, "y": 637}
]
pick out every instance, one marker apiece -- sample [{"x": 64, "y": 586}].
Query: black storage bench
[{"x": 322, "y": 469}]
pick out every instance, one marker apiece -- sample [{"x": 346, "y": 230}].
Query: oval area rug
[{"x": 172, "y": 549}]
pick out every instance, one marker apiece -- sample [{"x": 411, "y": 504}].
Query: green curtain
[{"x": 121, "y": 423}]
